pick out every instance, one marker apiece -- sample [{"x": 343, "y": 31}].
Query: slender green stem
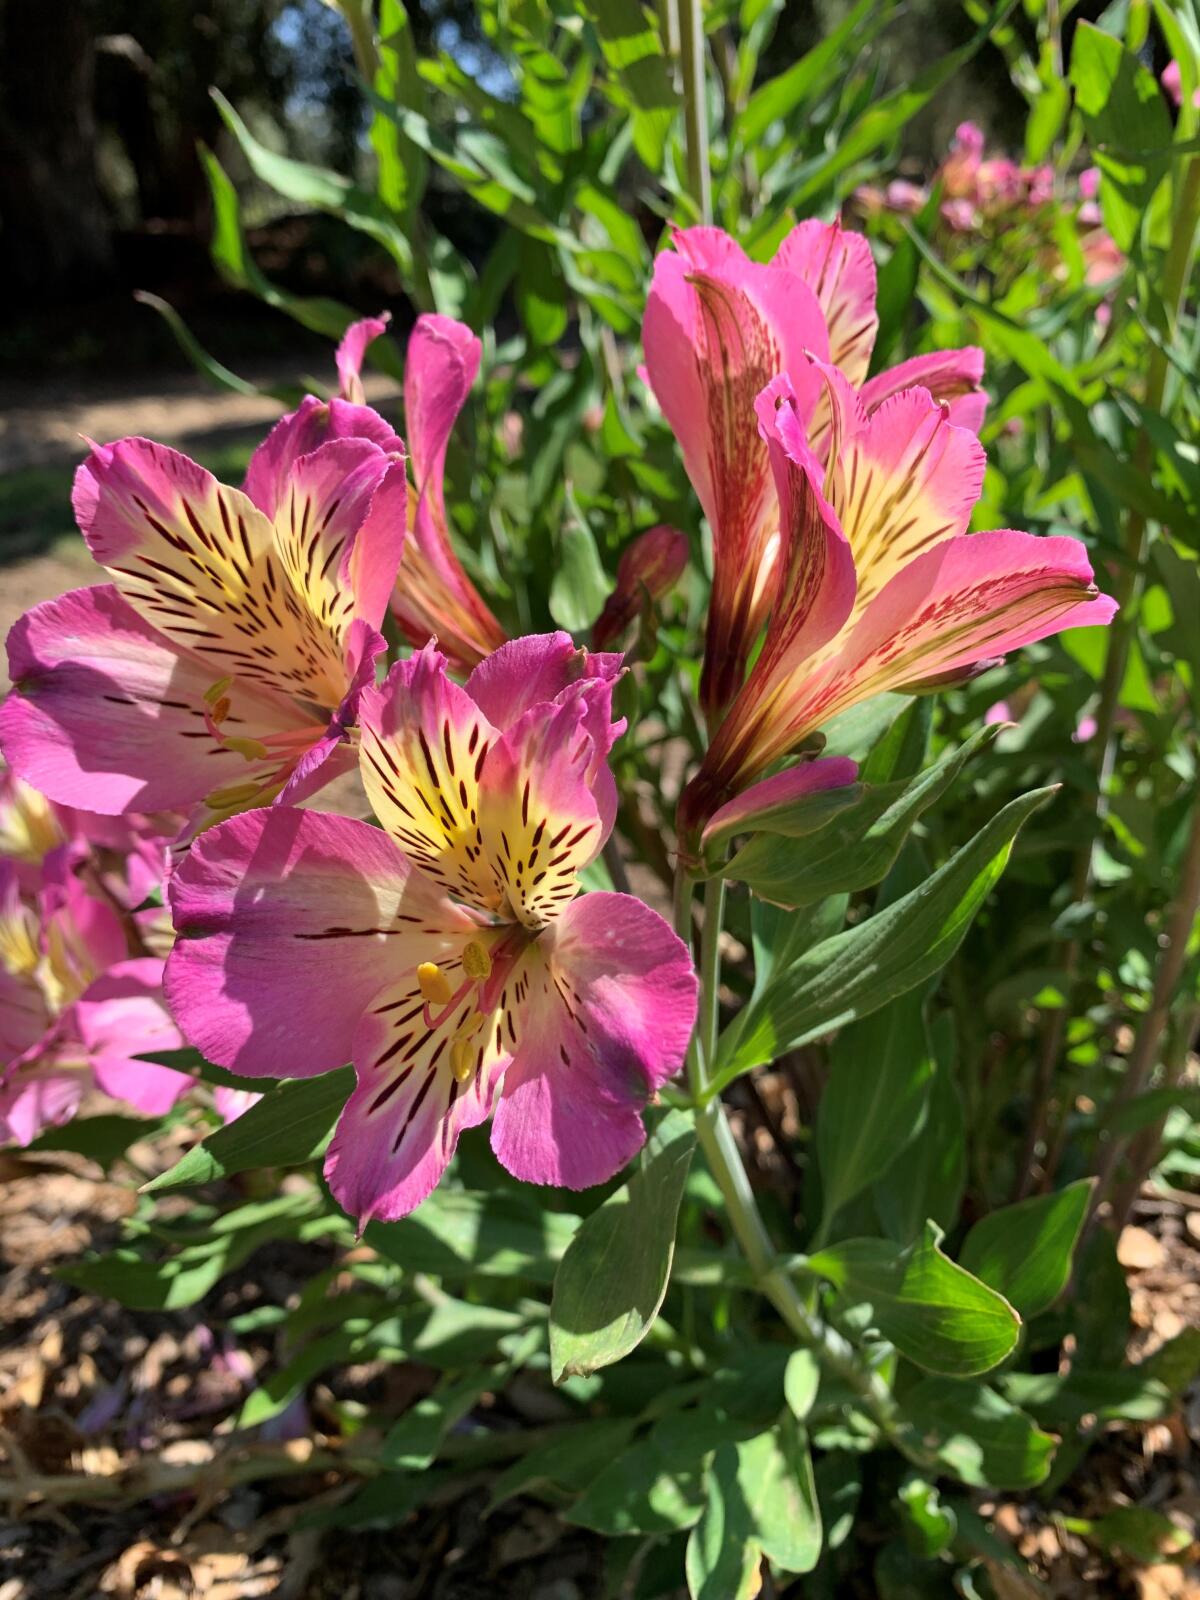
[
  {"x": 695, "y": 105},
  {"x": 1176, "y": 275},
  {"x": 709, "y": 1025},
  {"x": 1143, "y": 1058},
  {"x": 716, "y": 1139}
]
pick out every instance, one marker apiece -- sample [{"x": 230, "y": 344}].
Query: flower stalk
[{"x": 835, "y": 1353}]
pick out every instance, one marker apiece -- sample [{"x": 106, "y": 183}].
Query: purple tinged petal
[
  {"x": 533, "y": 670},
  {"x": 314, "y": 423},
  {"x": 757, "y": 804},
  {"x": 954, "y": 377},
  {"x": 120, "y": 1016},
  {"x": 289, "y": 923},
  {"x": 34, "y": 1098},
  {"x": 108, "y": 714},
  {"x": 350, "y": 353},
  {"x": 434, "y": 597},
  {"x": 610, "y": 1010}
]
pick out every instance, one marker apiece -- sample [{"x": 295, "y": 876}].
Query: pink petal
[
  {"x": 610, "y": 1010},
  {"x": 289, "y": 923},
  {"x": 401, "y": 1125},
  {"x": 23, "y": 1016},
  {"x": 350, "y": 352},
  {"x": 815, "y": 596},
  {"x": 109, "y": 715},
  {"x": 539, "y": 820},
  {"x": 231, "y": 1104},
  {"x": 755, "y": 805},
  {"x": 434, "y": 597},
  {"x": 969, "y": 598},
  {"x": 38, "y": 1097},
  {"x": 713, "y": 339},
  {"x": 532, "y": 670},
  {"x": 952, "y": 376},
  {"x": 340, "y": 531},
  {"x": 905, "y": 481},
  {"x": 840, "y": 270},
  {"x": 422, "y": 747},
  {"x": 123, "y": 1015},
  {"x": 304, "y": 430}
]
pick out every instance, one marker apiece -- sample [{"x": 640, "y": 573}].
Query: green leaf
[
  {"x": 569, "y": 1462},
  {"x": 187, "y": 1275},
  {"x": 209, "y": 366},
  {"x": 801, "y": 1380},
  {"x": 780, "y": 96},
  {"x": 841, "y": 840},
  {"x": 646, "y": 1490},
  {"x": 1025, "y": 1250},
  {"x": 103, "y": 1139},
  {"x": 233, "y": 261},
  {"x": 1062, "y": 1400},
  {"x": 289, "y": 1126},
  {"x": 722, "y": 1561},
  {"x": 776, "y": 1473},
  {"x": 928, "y": 1183},
  {"x": 865, "y": 967},
  {"x": 633, "y": 53},
  {"x": 1134, "y": 1531},
  {"x": 933, "y": 1311},
  {"x": 320, "y": 189},
  {"x": 1124, "y": 114},
  {"x": 929, "y": 1525},
  {"x": 540, "y": 292},
  {"x": 403, "y": 167},
  {"x": 612, "y": 1280},
  {"x": 977, "y": 1435},
  {"x": 463, "y": 1233},
  {"x": 875, "y": 1101},
  {"x": 580, "y": 585},
  {"x": 888, "y": 115}
]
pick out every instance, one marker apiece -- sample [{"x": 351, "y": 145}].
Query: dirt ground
[{"x": 118, "y": 1478}]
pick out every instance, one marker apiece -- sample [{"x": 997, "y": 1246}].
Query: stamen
[
  {"x": 476, "y": 961},
  {"x": 215, "y": 692},
  {"x": 235, "y": 794},
  {"x": 462, "y": 1058},
  {"x": 434, "y": 984}
]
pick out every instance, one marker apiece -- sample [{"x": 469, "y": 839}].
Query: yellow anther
[
  {"x": 220, "y": 709},
  {"x": 216, "y": 691},
  {"x": 476, "y": 961},
  {"x": 434, "y": 984},
  {"x": 462, "y": 1058}
]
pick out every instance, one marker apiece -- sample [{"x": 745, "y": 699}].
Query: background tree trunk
[{"x": 56, "y": 231}]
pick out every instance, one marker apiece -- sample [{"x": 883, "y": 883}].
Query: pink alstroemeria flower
[
  {"x": 75, "y": 1008},
  {"x": 881, "y": 586},
  {"x": 434, "y": 598},
  {"x": 447, "y": 955},
  {"x": 718, "y": 328},
  {"x": 225, "y": 662}
]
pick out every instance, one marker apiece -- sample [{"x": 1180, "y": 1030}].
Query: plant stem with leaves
[{"x": 715, "y": 1136}]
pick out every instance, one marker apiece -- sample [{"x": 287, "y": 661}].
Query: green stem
[
  {"x": 715, "y": 1136},
  {"x": 1176, "y": 275},
  {"x": 695, "y": 105}
]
